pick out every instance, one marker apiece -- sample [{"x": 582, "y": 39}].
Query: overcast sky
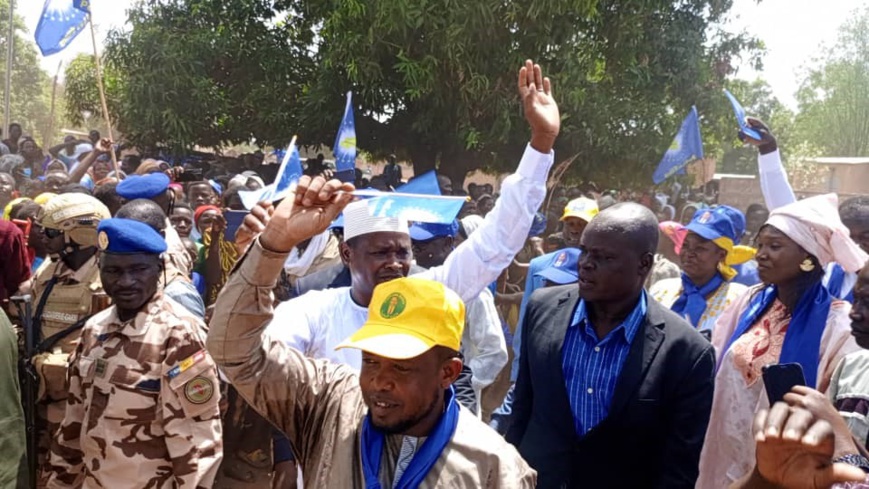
[{"x": 794, "y": 32}]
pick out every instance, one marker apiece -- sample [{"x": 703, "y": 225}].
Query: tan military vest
[{"x": 65, "y": 306}]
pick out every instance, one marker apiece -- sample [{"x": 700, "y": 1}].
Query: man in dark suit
[{"x": 614, "y": 390}]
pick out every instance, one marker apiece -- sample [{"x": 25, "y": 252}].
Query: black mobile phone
[{"x": 780, "y": 378}]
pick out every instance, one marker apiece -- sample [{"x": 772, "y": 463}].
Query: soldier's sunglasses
[{"x": 51, "y": 233}]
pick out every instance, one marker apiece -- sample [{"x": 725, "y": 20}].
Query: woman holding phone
[{"x": 789, "y": 318}]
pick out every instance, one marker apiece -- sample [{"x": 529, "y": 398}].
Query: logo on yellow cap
[
  {"x": 393, "y": 305},
  {"x": 103, "y": 240}
]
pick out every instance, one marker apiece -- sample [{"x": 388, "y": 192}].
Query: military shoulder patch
[
  {"x": 186, "y": 364},
  {"x": 199, "y": 390}
]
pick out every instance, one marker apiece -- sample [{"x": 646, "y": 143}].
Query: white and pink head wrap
[{"x": 814, "y": 224}]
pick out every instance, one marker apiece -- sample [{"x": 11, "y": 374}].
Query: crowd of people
[{"x": 547, "y": 337}]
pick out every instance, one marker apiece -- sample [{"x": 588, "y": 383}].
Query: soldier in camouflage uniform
[
  {"x": 66, "y": 291},
  {"x": 143, "y": 393}
]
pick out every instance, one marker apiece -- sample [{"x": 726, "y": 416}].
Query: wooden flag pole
[
  {"x": 103, "y": 95},
  {"x": 49, "y": 135}
]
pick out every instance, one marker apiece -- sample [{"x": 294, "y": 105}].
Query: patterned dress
[{"x": 728, "y": 452}]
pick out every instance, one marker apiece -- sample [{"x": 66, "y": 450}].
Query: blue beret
[
  {"x": 127, "y": 236},
  {"x": 143, "y": 186}
]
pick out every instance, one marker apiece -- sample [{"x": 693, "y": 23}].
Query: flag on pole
[
  {"x": 60, "y": 22},
  {"x": 417, "y": 208},
  {"x": 285, "y": 181},
  {"x": 687, "y": 147},
  {"x": 739, "y": 112},
  {"x": 425, "y": 184},
  {"x": 345, "y": 140}
]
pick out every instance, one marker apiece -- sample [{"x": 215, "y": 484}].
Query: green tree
[
  {"x": 31, "y": 87},
  {"x": 433, "y": 80},
  {"x": 834, "y": 98}
]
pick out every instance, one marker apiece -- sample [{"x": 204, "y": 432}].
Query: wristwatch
[{"x": 856, "y": 460}]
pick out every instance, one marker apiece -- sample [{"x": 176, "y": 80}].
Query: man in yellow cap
[{"x": 394, "y": 424}]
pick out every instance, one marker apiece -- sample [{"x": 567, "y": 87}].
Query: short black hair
[
  {"x": 25, "y": 209},
  {"x": 637, "y": 222},
  {"x": 183, "y": 205},
  {"x": 146, "y": 211},
  {"x": 74, "y": 188},
  {"x": 107, "y": 193},
  {"x": 855, "y": 209},
  {"x": 756, "y": 207}
]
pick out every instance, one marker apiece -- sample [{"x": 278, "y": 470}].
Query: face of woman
[
  {"x": 700, "y": 258},
  {"x": 28, "y": 148},
  {"x": 101, "y": 169},
  {"x": 778, "y": 257},
  {"x": 205, "y": 220}
]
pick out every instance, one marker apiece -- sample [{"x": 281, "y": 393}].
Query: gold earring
[{"x": 807, "y": 265}]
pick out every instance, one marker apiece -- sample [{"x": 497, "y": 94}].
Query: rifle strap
[
  {"x": 49, "y": 342},
  {"x": 40, "y": 307}
]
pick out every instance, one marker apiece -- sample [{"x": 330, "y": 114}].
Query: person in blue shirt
[
  {"x": 577, "y": 214},
  {"x": 607, "y": 375}
]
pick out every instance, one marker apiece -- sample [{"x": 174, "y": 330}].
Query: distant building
[{"x": 845, "y": 176}]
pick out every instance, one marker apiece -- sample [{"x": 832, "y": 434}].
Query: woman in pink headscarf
[{"x": 789, "y": 318}]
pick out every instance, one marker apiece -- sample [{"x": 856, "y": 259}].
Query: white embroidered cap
[{"x": 358, "y": 221}]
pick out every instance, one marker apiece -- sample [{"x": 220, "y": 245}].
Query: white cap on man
[{"x": 359, "y": 221}]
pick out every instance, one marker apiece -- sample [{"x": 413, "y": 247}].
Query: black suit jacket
[{"x": 656, "y": 424}]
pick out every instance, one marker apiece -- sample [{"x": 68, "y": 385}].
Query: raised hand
[
  {"x": 821, "y": 408},
  {"x": 767, "y": 142},
  {"x": 254, "y": 223},
  {"x": 316, "y": 204},
  {"x": 795, "y": 450},
  {"x": 541, "y": 111}
]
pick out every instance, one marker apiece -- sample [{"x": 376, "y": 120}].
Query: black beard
[{"x": 404, "y": 425}]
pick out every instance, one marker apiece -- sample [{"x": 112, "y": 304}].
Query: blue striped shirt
[{"x": 592, "y": 367}]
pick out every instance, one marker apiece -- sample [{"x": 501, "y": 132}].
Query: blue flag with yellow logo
[
  {"x": 61, "y": 21},
  {"x": 687, "y": 147},
  {"x": 345, "y": 140}
]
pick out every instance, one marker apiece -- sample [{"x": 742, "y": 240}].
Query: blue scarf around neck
[
  {"x": 422, "y": 461},
  {"x": 692, "y": 302},
  {"x": 803, "y": 338},
  {"x": 837, "y": 282}
]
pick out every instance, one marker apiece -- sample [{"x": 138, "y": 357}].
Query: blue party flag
[
  {"x": 425, "y": 184},
  {"x": 687, "y": 147},
  {"x": 60, "y": 22},
  {"x": 417, "y": 208},
  {"x": 345, "y": 140},
  {"x": 288, "y": 175},
  {"x": 740, "y": 117}
]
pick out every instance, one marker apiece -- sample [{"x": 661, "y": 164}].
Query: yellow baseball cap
[
  {"x": 582, "y": 208},
  {"x": 408, "y": 317}
]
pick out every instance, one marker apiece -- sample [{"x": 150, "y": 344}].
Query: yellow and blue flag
[
  {"x": 687, "y": 147},
  {"x": 345, "y": 140},
  {"x": 61, "y": 21}
]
